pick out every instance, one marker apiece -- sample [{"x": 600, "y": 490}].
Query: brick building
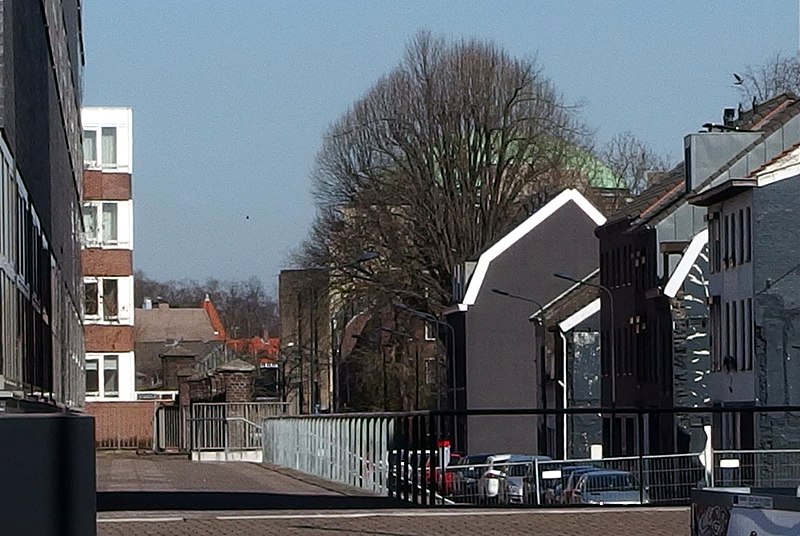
[{"x": 108, "y": 253}]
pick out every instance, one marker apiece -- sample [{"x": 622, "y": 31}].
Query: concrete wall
[{"x": 44, "y": 490}]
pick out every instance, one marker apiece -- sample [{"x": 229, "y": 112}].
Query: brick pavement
[
  {"x": 129, "y": 472},
  {"x": 628, "y": 522}
]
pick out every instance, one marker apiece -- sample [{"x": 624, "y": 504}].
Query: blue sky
[{"x": 231, "y": 98}]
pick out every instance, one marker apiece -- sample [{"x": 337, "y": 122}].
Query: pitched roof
[
  {"x": 474, "y": 286},
  {"x": 668, "y": 193},
  {"x": 180, "y": 324}
]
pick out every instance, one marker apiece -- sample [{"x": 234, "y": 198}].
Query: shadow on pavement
[{"x": 111, "y": 501}]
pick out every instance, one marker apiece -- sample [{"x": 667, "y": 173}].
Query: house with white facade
[{"x": 107, "y": 255}]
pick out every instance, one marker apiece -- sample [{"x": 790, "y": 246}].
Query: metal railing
[
  {"x": 171, "y": 429},
  {"x": 349, "y": 450},
  {"x": 402, "y": 455},
  {"x": 779, "y": 468},
  {"x": 229, "y": 426}
]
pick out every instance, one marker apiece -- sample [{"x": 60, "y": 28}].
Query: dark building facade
[
  {"x": 41, "y": 336},
  {"x": 755, "y": 299},
  {"x": 654, "y": 261},
  {"x": 498, "y": 352}
]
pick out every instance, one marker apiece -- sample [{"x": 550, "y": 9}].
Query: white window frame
[
  {"x": 100, "y": 316},
  {"x": 98, "y": 162},
  {"x": 100, "y": 359},
  {"x": 96, "y": 239}
]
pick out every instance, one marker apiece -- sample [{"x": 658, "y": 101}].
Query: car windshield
[
  {"x": 518, "y": 469},
  {"x": 611, "y": 482}
]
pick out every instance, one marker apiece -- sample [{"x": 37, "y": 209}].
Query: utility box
[
  {"x": 47, "y": 476},
  {"x": 745, "y": 512}
]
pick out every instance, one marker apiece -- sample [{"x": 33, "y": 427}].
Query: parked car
[
  {"x": 466, "y": 474},
  {"x": 609, "y": 487},
  {"x": 566, "y": 496},
  {"x": 551, "y": 489},
  {"x": 513, "y": 488},
  {"x": 494, "y": 485}
]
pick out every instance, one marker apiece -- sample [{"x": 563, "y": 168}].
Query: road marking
[
  {"x": 140, "y": 519},
  {"x": 448, "y": 513}
]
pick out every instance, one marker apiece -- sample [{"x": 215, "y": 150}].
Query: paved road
[
  {"x": 630, "y": 522},
  {"x": 131, "y": 472},
  {"x": 171, "y": 496}
]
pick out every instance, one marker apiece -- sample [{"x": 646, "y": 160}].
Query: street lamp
[
  {"x": 363, "y": 257},
  {"x": 409, "y": 337},
  {"x": 611, "y": 354},
  {"x": 431, "y": 318}
]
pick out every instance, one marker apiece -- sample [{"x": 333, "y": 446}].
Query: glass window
[
  {"x": 748, "y": 236},
  {"x": 110, "y": 376},
  {"x": 90, "y": 146},
  {"x": 109, "y": 148},
  {"x": 110, "y": 299},
  {"x": 90, "y": 307},
  {"x": 92, "y": 379},
  {"x": 740, "y": 236},
  {"x": 109, "y": 222},
  {"x": 89, "y": 222}
]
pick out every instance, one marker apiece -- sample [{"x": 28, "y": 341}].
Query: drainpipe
[{"x": 564, "y": 388}]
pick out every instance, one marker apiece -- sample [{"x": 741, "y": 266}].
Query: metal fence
[
  {"x": 350, "y": 450},
  {"x": 385, "y": 454},
  {"x": 413, "y": 456},
  {"x": 779, "y": 468},
  {"x": 229, "y": 428},
  {"x": 171, "y": 425}
]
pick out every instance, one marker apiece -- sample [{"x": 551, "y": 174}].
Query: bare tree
[
  {"x": 245, "y": 307},
  {"x": 632, "y": 162},
  {"x": 439, "y": 159},
  {"x": 779, "y": 74}
]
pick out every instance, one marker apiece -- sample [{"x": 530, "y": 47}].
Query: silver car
[{"x": 609, "y": 487}]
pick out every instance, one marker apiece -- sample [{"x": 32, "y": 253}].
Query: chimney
[
  {"x": 729, "y": 117},
  {"x": 148, "y": 304}
]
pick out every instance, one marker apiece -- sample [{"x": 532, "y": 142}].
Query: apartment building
[
  {"x": 754, "y": 295},
  {"x": 41, "y": 338},
  {"x": 654, "y": 261},
  {"x": 107, "y": 255},
  {"x": 48, "y": 479}
]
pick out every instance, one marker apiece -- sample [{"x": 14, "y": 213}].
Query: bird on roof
[{"x": 739, "y": 80}]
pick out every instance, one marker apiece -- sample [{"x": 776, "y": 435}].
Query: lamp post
[
  {"x": 313, "y": 381},
  {"x": 611, "y": 353},
  {"x": 410, "y": 337},
  {"x": 541, "y": 352},
  {"x": 430, "y": 318}
]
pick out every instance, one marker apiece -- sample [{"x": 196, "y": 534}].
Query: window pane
[
  {"x": 90, "y": 146},
  {"x": 92, "y": 385},
  {"x": 90, "y": 222},
  {"x": 90, "y": 304},
  {"x": 110, "y": 301},
  {"x": 110, "y": 376},
  {"x": 109, "y": 149},
  {"x": 109, "y": 222}
]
